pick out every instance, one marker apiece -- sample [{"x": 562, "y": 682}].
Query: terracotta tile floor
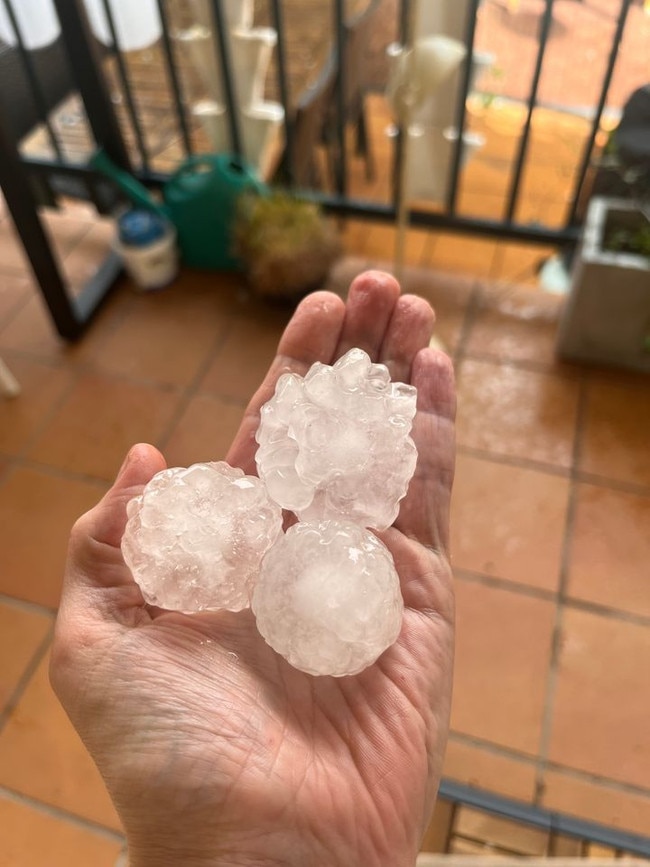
[{"x": 551, "y": 519}]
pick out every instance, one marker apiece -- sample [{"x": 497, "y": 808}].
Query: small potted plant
[
  {"x": 607, "y": 316},
  {"x": 286, "y": 245}
]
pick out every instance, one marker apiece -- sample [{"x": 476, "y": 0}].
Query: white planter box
[{"x": 607, "y": 316}]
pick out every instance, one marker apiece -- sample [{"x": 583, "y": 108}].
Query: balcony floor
[{"x": 550, "y": 517}]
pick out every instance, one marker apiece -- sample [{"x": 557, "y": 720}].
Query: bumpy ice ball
[
  {"x": 328, "y": 598},
  {"x": 195, "y": 537},
  {"x": 337, "y": 445}
]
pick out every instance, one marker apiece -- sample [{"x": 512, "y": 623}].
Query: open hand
[{"x": 215, "y": 750}]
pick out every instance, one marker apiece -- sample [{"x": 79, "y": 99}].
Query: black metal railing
[
  {"x": 87, "y": 60},
  {"x": 553, "y": 823}
]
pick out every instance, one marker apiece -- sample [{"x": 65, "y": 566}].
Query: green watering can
[{"x": 200, "y": 199}]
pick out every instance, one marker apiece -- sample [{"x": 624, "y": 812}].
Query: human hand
[{"x": 214, "y": 749}]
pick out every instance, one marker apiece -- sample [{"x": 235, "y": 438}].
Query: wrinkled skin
[{"x": 214, "y": 750}]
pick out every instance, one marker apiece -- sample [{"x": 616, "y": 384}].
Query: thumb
[{"x": 97, "y": 535}]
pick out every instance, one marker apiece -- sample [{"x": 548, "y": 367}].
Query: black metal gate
[{"x": 25, "y": 177}]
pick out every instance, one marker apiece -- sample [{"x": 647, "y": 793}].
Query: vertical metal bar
[
  {"x": 232, "y": 104},
  {"x": 461, "y": 116},
  {"x": 404, "y": 22},
  {"x": 37, "y": 94},
  {"x": 91, "y": 189},
  {"x": 398, "y": 150},
  {"x": 174, "y": 79},
  {"x": 544, "y": 32},
  {"x": 595, "y": 126},
  {"x": 20, "y": 201},
  {"x": 341, "y": 94},
  {"x": 86, "y": 65},
  {"x": 126, "y": 86},
  {"x": 277, "y": 16}
]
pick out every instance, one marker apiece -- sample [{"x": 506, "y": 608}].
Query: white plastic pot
[
  {"x": 137, "y": 22},
  {"x": 152, "y": 266},
  {"x": 37, "y": 22}
]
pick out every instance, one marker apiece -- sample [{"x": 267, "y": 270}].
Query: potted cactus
[{"x": 286, "y": 245}]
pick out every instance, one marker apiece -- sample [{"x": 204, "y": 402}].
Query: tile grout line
[
  {"x": 17, "y": 461},
  {"x": 527, "y": 759},
  {"x": 77, "y": 371},
  {"x": 507, "y": 584},
  {"x": 564, "y": 373},
  {"x": 512, "y": 586},
  {"x": 556, "y": 470},
  {"x": 469, "y": 318},
  {"x": 526, "y": 364},
  {"x": 61, "y": 815},
  {"x": 193, "y": 388},
  {"x": 556, "y": 644},
  {"x": 15, "y": 311},
  {"x": 77, "y": 242},
  {"x": 514, "y": 461},
  {"x": 613, "y": 484},
  {"x": 89, "y": 368},
  {"x": 496, "y": 264},
  {"x": 26, "y": 606},
  {"x": 17, "y": 693}
]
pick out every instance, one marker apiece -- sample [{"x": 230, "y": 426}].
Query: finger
[
  {"x": 425, "y": 580},
  {"x": 97, "y": 535},
  {"x": 312, "y": 335},
  {"x": 371, "y": 301},
  {"x": 424, "y": 513},
  {"x": 409, "y": 331}
]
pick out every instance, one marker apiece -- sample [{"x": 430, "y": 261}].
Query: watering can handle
[
  {"x": 234, "y": 163},
  {"x": 129, "y": 185}
]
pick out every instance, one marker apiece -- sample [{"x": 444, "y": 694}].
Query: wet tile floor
[{"x": 551, "y": 518}]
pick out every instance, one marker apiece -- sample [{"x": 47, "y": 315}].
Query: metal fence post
[
  {"x": 85, "y": 63},
  {"x": 20, "y": 200}
]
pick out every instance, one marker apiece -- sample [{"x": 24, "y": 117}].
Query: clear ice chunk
[
  {"x": 328, "y": 598},
  {"x": 195, "y": 537},
  {"x": 336, "y": 444}
]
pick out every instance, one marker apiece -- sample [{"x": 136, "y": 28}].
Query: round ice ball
[
  {"x": 336, "y": 444},
  {"x": 328, "y": 598},
  {"x": 195, "y": 537}
]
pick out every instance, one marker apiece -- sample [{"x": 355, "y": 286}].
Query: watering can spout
[{"x": 133, "y": 189}]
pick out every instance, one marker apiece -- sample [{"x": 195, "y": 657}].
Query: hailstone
[
  {"x": 328, "y": 598},
  {"x": 195, "y": 537}
]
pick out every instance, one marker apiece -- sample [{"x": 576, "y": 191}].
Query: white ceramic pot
[
  {"x": 239, "y": 13},
  {"x": 137, "y": 24},
  {"x": 251, "y": 52},
  {"x": 259, "y": 127},
  {"x": 37, "y": 22}
]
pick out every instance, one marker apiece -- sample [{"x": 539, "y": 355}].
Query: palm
[{"x": 351, "y": 762}]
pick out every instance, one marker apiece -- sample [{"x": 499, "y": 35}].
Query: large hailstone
[
  {"x": 328, "y": 598},
  {"x": 195, "y": 537},
  {"x": 336, "y": 444}
]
